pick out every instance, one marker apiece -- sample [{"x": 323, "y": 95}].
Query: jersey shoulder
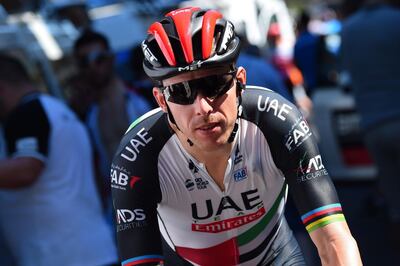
[
  {"x": 260, "y": 104},
  {"x": 146, "y": 135},
  {"x": 279, "y": 120},
  {"x": 137, "y": 158}
]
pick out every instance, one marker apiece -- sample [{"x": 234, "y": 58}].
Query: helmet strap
[
  {"x": 239, "y": 89},
  {"x": 172, "y": 119},
  {"x": 170, "y": 116}
]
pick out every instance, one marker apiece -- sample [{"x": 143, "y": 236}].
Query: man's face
[
  {"x": 208, "y": 121},
  {"x": 95, "y": 62}
]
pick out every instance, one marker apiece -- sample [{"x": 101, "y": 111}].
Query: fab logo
[{"x": 240, "y": 174}]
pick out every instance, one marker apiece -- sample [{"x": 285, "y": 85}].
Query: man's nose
[{"x": 203, "y": 104}]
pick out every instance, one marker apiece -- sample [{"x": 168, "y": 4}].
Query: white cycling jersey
[{"x": 161, "y": 192}]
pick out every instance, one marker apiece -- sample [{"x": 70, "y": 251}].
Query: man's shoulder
[
  {"x": 271, "y": 112},
  {"x": 150, "y": 130},
  {"x": 147, "y": 120},
  {"x": 27, "y": 110},
  {"x": 57, "y": 111}
]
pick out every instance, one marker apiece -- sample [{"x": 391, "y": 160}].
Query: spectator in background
[
  {"x": 79, "y": 95},
  {"x": 306, "y": 52},
  {"x": 5, "y": 254},
  {"x": 50, "y": 212},
  {"x": 74, "y": 11},
  {"x": 370, "y": 53},
  {"x": 260, "y": 71},
  {"x": 291, "y": 75},
  {"x": 114, "y": 107},
  {"x": 141, "y": 82}
]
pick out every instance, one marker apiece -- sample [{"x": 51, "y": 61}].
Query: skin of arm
[
  {"x": 335, "y": 244},
  {"x": 19, "y": 172}
]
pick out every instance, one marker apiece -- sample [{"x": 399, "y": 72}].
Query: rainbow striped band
[
  {"x": 143, "y": 259},
  {"x": 322, "y": 216}
]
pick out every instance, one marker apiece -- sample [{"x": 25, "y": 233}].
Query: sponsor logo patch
[
  {"x": 148, "y": 54},
  {"x": 189, "y": 184},
  {"x": 193, "y": 167},
  {"x": 240, "y": 174},
  {"x": 297, "y": 135},
  {"x": 207, "y": 209},
  {"x": 194, "y": 66},
  {"x": 313, "y": 170},
  {"x": 201, "y": 183},
  {"x": 238, "y": 156},
  {"x": 131, "y": 151},
  {"x": 228, "y": 224},
  {"x": 122, "y": 180},
  {"x": 130, "y": 219},
  {"x": 227, "y": 37},
  {"x": 265, "y": 104}
]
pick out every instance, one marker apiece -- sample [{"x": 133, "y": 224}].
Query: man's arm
[
  {"x": 19, "y": 172},
  {"x": 336, "y": 245},
  {"x": 26, "y": 136},
  {"x": 295, "y": 152},
  {"x": 136, "y": 192}
]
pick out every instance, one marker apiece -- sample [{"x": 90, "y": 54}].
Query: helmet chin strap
[
  {"x": 172, "y": 119},
  {"x": 231, "y": 138},
  {"x": 239, "y": 88}
]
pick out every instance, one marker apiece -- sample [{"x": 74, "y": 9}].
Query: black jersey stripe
[{"x": 261, "y": 248}]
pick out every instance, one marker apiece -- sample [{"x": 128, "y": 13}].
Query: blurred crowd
[{"x": 55, "y": 154}]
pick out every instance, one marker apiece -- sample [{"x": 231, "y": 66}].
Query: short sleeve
[{"x": 27, "y": 131}]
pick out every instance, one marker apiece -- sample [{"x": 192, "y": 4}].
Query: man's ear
[
  {"x": 241, "y": 79},
  {"x": 241, "y": 75},
  {"x": 159, "y": 96}
]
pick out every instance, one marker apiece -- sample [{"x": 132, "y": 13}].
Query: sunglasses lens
[
  {"x": 180, "y": 93},
  {"x": 217, "y": 85},
  {"x": 211, "y": 87}
]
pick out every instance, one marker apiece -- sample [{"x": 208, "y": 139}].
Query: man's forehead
[{"x": 195, "y": 75}]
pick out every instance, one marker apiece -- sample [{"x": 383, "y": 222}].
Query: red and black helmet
[{"x": 188, "y": 39}]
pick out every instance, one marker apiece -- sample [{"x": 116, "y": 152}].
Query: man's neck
[
  {"x": 207, "y": 157},
  {"x": 215, "y": 160}
]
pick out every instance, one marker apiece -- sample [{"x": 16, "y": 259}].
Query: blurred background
[{"x": 42, "y": 34}]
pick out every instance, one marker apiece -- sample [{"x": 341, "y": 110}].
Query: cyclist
[{"x": 203, "y": 179}]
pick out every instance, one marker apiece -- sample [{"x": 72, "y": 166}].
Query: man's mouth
[{"x": 208, "y": 127}]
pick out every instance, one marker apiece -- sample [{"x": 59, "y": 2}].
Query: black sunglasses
[
  {"x": 213, "y": 86},
  {"x": 93, "y": 57}
]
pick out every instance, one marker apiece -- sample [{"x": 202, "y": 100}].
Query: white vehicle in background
[
  {"x": 341, "y": 142},
  {"x": 25, "y": 37},
  {"x": 254, "y": 17}
]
